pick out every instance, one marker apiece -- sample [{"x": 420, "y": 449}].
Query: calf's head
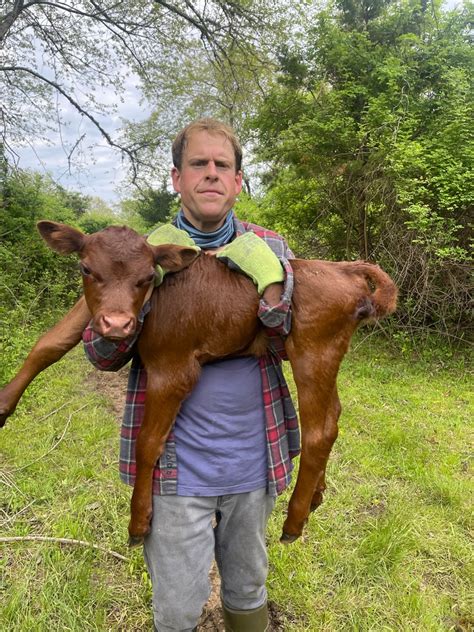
[{"x": 118, "y": 271}]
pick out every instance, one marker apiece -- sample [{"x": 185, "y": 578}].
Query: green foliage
[
  {"x": 92, "y": 223},
  {"x": 36, "y": 284},
  {"x": 148, "y": 208},
  {"x": 77, "y": 202},
  {"x": 153, "y": 206},
  {"x": 97, "y": 216},
  {"x": 248, "y": 208},
  {"x": 130, "y": 216},
  {"x": 368, "y": 134}
]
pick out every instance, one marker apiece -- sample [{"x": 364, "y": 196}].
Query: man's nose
[{"x": 211, "y": 171}]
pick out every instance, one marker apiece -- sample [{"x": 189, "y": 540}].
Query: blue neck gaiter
[{"x": 217, "y": 238}]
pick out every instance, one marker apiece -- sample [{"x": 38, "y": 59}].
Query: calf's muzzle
[{"x": 115, "y": 326}]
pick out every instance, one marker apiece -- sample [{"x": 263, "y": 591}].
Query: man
[{"x": 229, "y": 453}]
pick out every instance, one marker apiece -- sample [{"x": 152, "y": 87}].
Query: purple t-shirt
[{"x": 220, "y": 431}]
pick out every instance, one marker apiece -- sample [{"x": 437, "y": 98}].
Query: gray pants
[{"x": 183, "y": 542}]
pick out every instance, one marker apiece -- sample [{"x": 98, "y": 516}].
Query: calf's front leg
[
  {"x": 49, "y": 349},
  {"x": 164, "y": 394}
]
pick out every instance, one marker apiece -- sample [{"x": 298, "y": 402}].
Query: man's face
[{"x": 207, "y": 181}]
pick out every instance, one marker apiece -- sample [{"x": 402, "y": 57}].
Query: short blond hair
[{"x": 212, "y": 126}]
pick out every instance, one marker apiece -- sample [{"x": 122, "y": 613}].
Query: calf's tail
[{"x": 383, "y": 299}]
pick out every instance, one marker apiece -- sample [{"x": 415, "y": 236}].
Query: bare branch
[
  {"x": 10, "y": 18},
  {"x": 90, "y": 47},
  {"x": 76, "y": 105},
  {"x": 43, "y": 538}
]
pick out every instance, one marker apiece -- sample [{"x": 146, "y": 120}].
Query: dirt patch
[{"x": 113, "y": 385}]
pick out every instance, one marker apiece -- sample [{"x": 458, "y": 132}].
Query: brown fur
[{"x": 206, "y": 312}]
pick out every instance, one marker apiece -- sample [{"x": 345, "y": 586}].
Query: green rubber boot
[{"x": 246, "y": 620}]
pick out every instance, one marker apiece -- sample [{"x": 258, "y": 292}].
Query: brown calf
[{"x": 215, "y": 310}]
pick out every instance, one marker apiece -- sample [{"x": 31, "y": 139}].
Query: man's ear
[
  {"x": 174, "y": 258},
  {"x": 175, "y": 179},
  {"x": 61, "y": 237},
  {"x": 238, "y": 182}
]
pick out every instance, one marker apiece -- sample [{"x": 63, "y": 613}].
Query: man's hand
[
  {"x": 272, "y": 294},
  {"x": 214, "y": 251}
]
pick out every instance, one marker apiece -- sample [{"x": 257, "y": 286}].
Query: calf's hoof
[
  {"x": 3, "y": 418},
  {"x": 5, "y": 412},
  {"x": 288, "y": 538},
  {"x": 135, "y": 540},
  {"x": 138, "y": 529}
]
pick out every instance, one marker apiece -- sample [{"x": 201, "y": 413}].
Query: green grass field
[{"x": 389, "y": 548}]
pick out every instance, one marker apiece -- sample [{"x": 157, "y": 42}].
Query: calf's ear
[
  {"x": 174, "y": 258},
  {"x": 61, "y": 237}
]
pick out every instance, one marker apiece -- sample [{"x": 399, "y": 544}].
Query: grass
[
  {"x": 73, "y": 492},
  {"x": 388, "y": 550}
]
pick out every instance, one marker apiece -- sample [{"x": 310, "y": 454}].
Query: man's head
[
  {"x": 212, "y": 126},
  {"x": 207, "y": 160}
]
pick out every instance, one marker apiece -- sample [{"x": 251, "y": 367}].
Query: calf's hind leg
[
  {"x": 330, "y": 433},
  {"x": 315, "y": 374}
]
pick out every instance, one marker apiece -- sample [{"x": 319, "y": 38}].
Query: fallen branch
[{"x": 43, "y": 538}]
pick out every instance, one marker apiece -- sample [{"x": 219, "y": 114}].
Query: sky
[{"x": 97, "y": 169}]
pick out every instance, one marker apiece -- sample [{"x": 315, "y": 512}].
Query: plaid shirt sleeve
[{"x": 276, "y": 318}]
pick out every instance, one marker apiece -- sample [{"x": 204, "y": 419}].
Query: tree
[
  {"x": 62, "y": 53},
  {"x": 229, "y": 86},
  {"x": 33, "y": 280},
  {"x": 150, "y": 206},
  {"x": 369, "y": 138}
]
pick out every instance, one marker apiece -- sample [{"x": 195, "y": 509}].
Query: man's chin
[{"x": 207, "y": 218}]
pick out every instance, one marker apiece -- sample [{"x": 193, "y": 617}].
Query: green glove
[
  {"x": 169, "y": 234},
  {"x": 252, "y": 256}
]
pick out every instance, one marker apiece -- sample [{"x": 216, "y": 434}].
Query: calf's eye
[
  {"x": 146, "y": 280},
  {"x": 85, "y": 270}
]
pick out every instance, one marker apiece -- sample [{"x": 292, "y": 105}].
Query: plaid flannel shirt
[{"x": 282, "y": 432}]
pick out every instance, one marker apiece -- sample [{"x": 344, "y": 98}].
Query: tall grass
[{"x": 387, "y": 550}]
